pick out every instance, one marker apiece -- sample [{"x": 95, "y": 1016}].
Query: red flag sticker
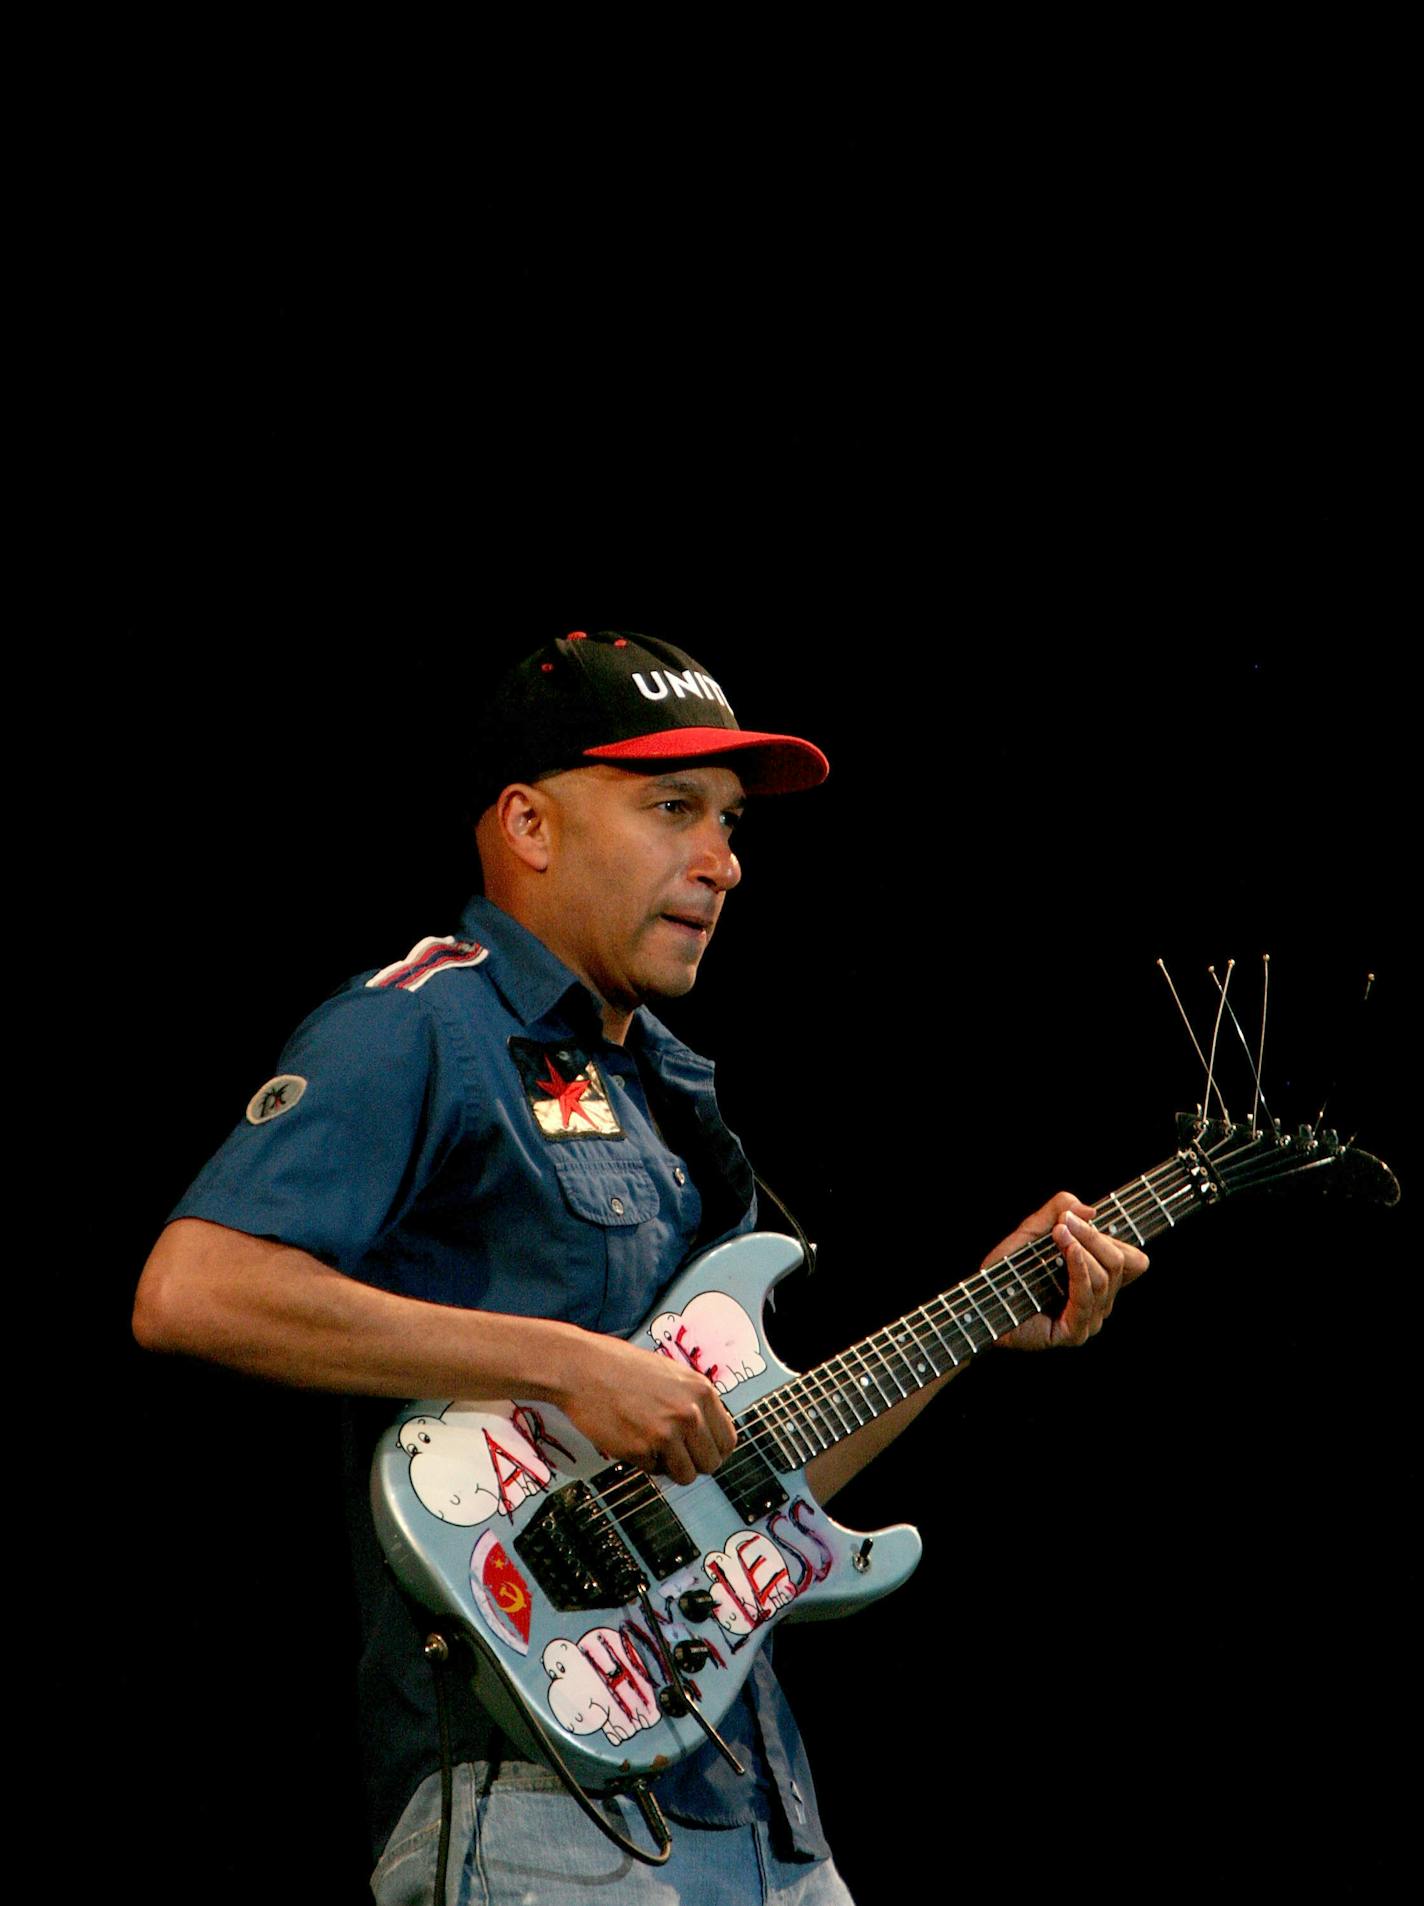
[{"x": 501, "y": 1591}]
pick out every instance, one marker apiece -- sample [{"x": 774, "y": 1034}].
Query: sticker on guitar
[
  {"x": 501, "y": 1593},
  {"x": 600, "y": 1682},
  {"x": 476, "y": 1460},
  {"x": 713, "y": 1336},
  {"x": 751, "y": 1576}
]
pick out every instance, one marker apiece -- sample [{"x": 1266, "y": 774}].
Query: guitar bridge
[{"x": 575, "y": 1548}]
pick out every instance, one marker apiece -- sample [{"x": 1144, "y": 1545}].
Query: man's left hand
[{"x": 1098, "y": 1267}]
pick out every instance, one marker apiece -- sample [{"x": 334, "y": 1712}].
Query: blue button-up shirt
[{"x": 407, "y": 1152}]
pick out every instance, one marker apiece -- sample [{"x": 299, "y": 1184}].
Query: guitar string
[
  {"x": 900, "y": 1348},
  {"x": 769, "y": 1429},
  {"x": 810, "y": 1413}
]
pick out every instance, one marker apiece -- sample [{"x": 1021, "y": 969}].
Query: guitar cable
[{"x": 437, "y": 1653}]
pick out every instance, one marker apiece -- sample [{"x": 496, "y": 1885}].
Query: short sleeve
[{"x": 360, "y": 1115}]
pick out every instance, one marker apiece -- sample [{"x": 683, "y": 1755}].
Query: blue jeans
[{"x": 519, "y": 1840}]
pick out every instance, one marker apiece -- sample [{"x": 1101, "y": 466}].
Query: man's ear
[{"x": 523, "y": 816}]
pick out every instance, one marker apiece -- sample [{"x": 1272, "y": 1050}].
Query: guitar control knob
[
  {"x": 691, "y": 1655},
  {"x": 695, "y": 1604}
]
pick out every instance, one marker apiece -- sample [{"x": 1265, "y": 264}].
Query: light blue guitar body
[{"x": 505, "y": 1517}]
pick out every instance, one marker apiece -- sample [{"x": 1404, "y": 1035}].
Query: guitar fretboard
[{"x": 790, "y": 1425}]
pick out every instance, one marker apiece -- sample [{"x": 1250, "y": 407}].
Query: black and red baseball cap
[{"x": 635, "y": 702}]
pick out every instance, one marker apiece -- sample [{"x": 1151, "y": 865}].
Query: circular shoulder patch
[{"x": 278, "y": 1095}]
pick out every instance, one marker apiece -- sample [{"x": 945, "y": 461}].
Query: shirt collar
[
  {"x": 669, "y": 1055},
  {"x": 533, "y": 981},
  {"x": 530, "y": 979}
]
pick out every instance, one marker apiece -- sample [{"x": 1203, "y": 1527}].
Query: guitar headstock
[{"x": 1231, "y": 1157}]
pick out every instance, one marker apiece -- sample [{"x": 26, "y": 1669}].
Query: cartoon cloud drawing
[
  {"x": 600, "y": 1681},
  {"x": 714, "y": 1335},
  {"x": 472, "y": 1461},
  {"x": 750, "y": 1581}
]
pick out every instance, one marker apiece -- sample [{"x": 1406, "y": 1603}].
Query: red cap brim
[{"x": 771, "y": 764}]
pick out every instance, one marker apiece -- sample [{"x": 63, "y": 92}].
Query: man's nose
[{"x": 717, "y": 865}]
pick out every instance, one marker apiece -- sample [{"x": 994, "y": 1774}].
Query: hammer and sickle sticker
[{"x": 501, "y": 1592}]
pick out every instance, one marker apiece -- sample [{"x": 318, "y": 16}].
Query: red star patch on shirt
[{"x": 566, "y": 1092}]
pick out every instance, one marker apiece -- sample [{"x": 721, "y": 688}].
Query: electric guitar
[{"x": 614, "y": 1617}]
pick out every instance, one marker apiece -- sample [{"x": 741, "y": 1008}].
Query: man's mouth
[{"x": 691, "y": 922}]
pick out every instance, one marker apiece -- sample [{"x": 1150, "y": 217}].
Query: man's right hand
[{"x": 633, "y": 1403}]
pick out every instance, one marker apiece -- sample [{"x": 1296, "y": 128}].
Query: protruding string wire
[
  {"x": 1216, "y": 1028},
  {"x": 1260, "y": 1097},
  {"x": 1206, "y": 1107}
]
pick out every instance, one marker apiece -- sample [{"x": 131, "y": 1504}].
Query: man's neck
[{"x": 616, "y": 1021}]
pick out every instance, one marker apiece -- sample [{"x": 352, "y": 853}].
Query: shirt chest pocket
[{"x": 615, "y": 1192}]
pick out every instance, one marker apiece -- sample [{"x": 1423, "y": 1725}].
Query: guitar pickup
[
  {"x": 750, "y": 1486},
  {"x": 646, "y": 1517},
  {"x": 574, "y": 1544}
]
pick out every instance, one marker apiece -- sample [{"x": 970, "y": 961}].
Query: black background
[{"x": 1054, "y": 490}]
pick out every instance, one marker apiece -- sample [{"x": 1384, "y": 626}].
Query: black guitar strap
[{"x": 808, "y": 1249}]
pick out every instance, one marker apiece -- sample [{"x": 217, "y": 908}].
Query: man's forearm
[
  {"x": 276, "y": 1312},
  {"x": 834, "y": 1467}
]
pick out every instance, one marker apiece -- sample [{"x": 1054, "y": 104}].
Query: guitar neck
[{"x": 815, "y": 1410}]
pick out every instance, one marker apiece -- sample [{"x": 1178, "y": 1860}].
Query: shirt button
[
  {"x": 679, "y": 1174},
  {"x": 616, "y": 1206}
]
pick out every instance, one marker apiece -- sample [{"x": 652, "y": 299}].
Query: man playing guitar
[{"x": 474, "y": 1174}]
